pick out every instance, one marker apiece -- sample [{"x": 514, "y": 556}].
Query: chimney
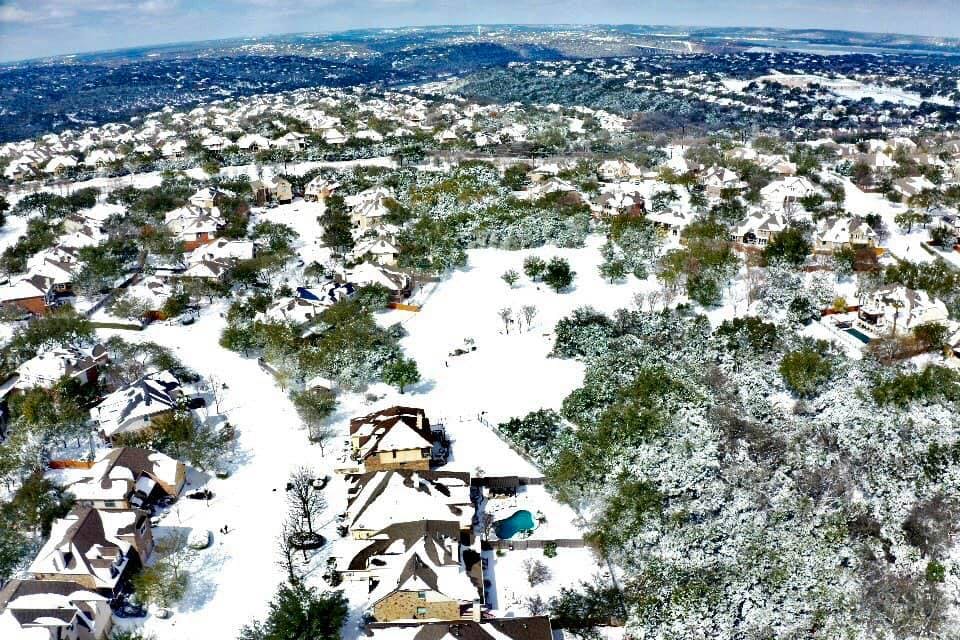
[{"x": 475, "y": 612}]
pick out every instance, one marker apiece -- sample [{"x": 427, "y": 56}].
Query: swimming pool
[
  {"x": 508, "y": 527},
  {"x": 859, "y": 335}
]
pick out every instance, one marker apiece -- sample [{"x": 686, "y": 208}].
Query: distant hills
[{"x": 52, "y": 94}]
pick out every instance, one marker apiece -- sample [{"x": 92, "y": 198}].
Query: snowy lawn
[{"x": 510, "y": 589}]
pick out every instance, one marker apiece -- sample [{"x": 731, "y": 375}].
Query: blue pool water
[
  {"x": 859, "y": 335},
  {"x": 509, "y": 527}
]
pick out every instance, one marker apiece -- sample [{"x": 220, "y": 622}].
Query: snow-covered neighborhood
[{"x": 415, "y": 361}]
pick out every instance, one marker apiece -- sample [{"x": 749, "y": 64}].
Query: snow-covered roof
[
  {"x": 393, "y": 429},
  {"x": 126, "y": 407},
  {"x": 116, "y": 475},
  {"x": 378, "y": 499},
  {"x": 88, "y": 542},
  {"x": 49, "y": 366}
]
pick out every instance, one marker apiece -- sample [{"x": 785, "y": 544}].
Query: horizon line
[{"x": 159, "y": 45}]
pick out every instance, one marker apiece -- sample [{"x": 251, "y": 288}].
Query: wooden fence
[
  {"x": 522, "y": 545},
  {"x": 404, "y": 307},
  {"x": 70, "y": 464}
]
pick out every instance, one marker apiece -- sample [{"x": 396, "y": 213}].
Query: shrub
[{"x": 804, "y": 371}]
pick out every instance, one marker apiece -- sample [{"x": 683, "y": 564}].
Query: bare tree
[
  {"x": 305, "y": 500},
  {"x": 506, "y": 314},
  {"x": 486, "y": 524},
  {"x": 537, "y": 572},
  {"x": 286, "y": 552},
  {"x": 529, "y": 313},
  {"x": 320, "y": 434}
]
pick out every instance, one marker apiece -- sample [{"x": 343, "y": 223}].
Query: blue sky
[{"x": 33, "y": 28}]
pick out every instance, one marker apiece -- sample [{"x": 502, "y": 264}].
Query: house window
[
  {"x": 421, "y": 612},
  {"x": 422, "y": 595}
]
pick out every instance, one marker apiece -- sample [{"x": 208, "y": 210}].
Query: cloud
[
  {"x": 38, "y": 12},
  {"x": 13, "y": 13}
]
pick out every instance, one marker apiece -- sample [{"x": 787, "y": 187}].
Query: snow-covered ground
[
  {"x": 508, "y": 375},
  {"x": 302, "y": 217}
]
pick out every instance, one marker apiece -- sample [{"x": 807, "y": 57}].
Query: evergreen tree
[
  {"x": 298, "y": 612},
  {"x": 401, "y": 372}
]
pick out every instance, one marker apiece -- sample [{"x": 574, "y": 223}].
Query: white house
[
  {"x": 899, "y": 310},
  {"x": 835, "y": 233},
  {"x": 780, "y": 194}
]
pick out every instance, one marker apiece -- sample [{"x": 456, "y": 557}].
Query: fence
[
  {"x": 505, "y": 481},
  {"x": 523, "y": 545},
  {"x": 404, "y": 307},
  {"x": 70, "y": 464}
]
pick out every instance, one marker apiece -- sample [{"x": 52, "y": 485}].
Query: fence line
[{"x": 522, "y": 545}]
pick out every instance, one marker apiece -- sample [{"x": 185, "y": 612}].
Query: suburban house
[
  {"x": 173, "y": 149},
  {"x": 334, "y": 136},
  {"x": 209, "y": 197},
  {"x": 782, "y": 194},
  {"x": 616, "y": 170},
  {"x": 59, "y": 164},
  {"x": 292, "y": 310},
  {"x": 133, "y": 407},
  {"x": 53, "y": 610},
  {"x": 252, "y": 142},
  {"x": 566, "y": 191},
  {"x": 153, "y": 292},
  {"x": 223, "y": 249},
  {"x": 327, "y": 293},
  {"x": 130, "y": 478},
  {"x": 414, "y": 570},
  {"x": 913, "y": 185},
  {"x": 281, "y": 189},
  {"x": 364, "y": 274},
  {"x": 758, "y": 229},
  {"x": 533, "y": 628},
  {"x": 208, "y": 269},
  {"x": 621, "y": 198},
  {"x": 369, "y": 208},
  {"x": 836, "y": 233},
  {"x": 898, "y": 310},
  {"x": 100, "y": 158},
  {"x": 33, "y": 294},
  {"x": 672, "y": 221},
  {"x": 379, "y": 499},
  {"x": 97, "y": 549},
  {"x": 718, "y": 179},
  {"x": 273, "y": 188},
  {"x": 194, "y": 226},
  {"x": 379, "y": 250},
  {"x": 50, "y": 366},
  {"x": 319, "y": 189},
  {"x": 394, "y": 438}
]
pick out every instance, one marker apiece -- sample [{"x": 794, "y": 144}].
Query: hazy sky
[{"x": 33, "y": 28}]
